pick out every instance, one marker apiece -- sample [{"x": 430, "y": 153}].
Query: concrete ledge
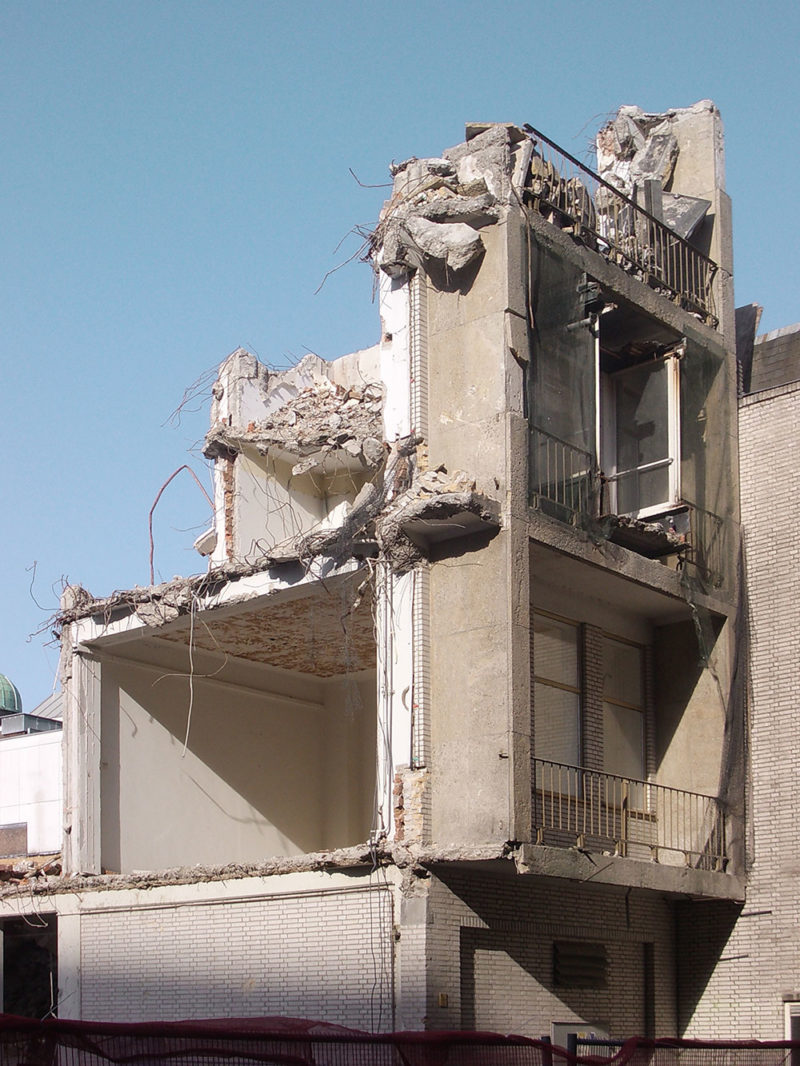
[
  {"x": 574, "y": 865},
  {"x": 616, "y": 560}
]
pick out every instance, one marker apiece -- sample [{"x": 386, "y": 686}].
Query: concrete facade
[{"x": 458, "y": 691}]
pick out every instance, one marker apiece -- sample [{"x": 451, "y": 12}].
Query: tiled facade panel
[
  {"x": 326, "y": 955},
  {"x": 739, "y": 967},
  {"x": 490, "y": 951}
]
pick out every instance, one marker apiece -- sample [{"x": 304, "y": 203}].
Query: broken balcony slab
[
  {"x": 652, "y": 539},
  {"x": 448, "y": 516}
]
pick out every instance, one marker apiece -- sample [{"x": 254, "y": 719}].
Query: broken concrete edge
[
  {"x": 172, "y": 597},
  {"x": 413, "y": 859},
  {"x": 300, "y": 411},
  {"x": 439, "y": 205},
  {"x": 156, "y": 605}
]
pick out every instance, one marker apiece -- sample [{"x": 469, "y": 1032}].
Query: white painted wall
[
  {"x": 273, "y": 505},
  {"x": 258, "y": 777},
  {"x": 30, "y": 788}
]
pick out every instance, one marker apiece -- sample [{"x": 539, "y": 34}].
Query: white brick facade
[
  {"x": 490, "y": 946},
  {"x": 741, "y": 965},
  {"x": 310, "y": 946}
]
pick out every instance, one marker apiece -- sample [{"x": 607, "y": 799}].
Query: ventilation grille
[{"x": 579, "y": 965}]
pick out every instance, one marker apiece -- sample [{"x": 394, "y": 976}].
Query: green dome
[{"x": 10, "y": 699}]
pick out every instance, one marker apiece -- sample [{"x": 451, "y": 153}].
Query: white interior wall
[
  {"x": 260, "y": 777},
  {"x": 274, "y": 505},
  {"x": 350, "y": 759},
  {"x": 271, "y": 504},
  {"x": 249, "y": 786},
  {"x": 30, "y": 788}
]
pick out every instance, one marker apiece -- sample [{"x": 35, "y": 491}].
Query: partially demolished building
[{"x": 448, "y": 735}]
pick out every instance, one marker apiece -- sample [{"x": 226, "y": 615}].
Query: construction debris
[
  {"x": 321, "y": 419},
  {"x": 636, "y": 150},
  {"x": 409, "y": 858},
  {"x": 439, "y": 205}
]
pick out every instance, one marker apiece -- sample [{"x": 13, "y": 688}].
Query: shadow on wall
[
  {"x": 546, "y": 952},
  {"x": 704, "y": 928},
  {"x": 253, "y": 783}
]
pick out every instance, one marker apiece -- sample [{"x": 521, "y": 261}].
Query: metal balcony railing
[
  {"x": 589, "y": 809},
  {"x": 575, "y": 198},
  {"x": 561, "y": 474}
]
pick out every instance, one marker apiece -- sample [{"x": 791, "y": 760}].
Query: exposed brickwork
[
  {"x": 399, "y": 812},
  {"x": 229, "y": 494},
  {"x": 326, "y": 955},
  {"x": 490, "y": 951},
  {"x": 737, "y": 968}
]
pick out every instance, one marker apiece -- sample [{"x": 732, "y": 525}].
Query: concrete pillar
[{"x": 81, "y": 763}]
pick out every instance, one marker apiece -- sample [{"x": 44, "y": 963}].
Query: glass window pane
[
  {"x": 555, "y": 650},
  {"x": 642, "y": 415},
  {"x": 642, "y": 488},
  {"x": 623, "y": 741},
  {"x": 556, "y": 716},
  {"x": 622, "y": 664}
]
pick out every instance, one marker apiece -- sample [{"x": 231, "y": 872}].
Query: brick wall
[
  {"x": 739, "y": 966},
  {"x": 490, "y": 951},
  {"x": 323, "y": 955}
]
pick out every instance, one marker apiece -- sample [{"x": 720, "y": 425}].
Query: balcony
[
  {"x": 578, "y": 201},
  {"x": 640, "y": 820},
  {"x": 566, "y": 484}
]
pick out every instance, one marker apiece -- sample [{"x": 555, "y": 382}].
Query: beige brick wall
[
  {"x": 739, "y": 966},
  {"x": 490, "y": 951},
  {"x": 326, "y": 955}
]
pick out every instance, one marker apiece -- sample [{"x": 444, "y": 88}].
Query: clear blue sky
[{"x": 175, "y": 183}]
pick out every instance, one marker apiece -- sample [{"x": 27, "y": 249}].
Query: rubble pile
[
  {"x": 438, "y": 205},
  {"x": 323, "y": 418},
  {"x": 636, "y": 147},
  {"x": 30, "y": 869}
]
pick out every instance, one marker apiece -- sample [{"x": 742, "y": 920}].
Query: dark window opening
[{"x": 30, "y": 966}]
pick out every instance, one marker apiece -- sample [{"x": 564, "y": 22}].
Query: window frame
[
  {"x": 576, "y": 690},
  {"x": 606, "y": 443}
]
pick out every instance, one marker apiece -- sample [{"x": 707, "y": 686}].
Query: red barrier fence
[{"x": 294, "y": 1042}]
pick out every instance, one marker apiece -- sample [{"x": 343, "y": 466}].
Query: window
[
  {"x": 556, "y": 696},
  {"x": 623, "y": 709},
  {"x": 791, "y": 1011},
  {"x": 640, "y": 437}
]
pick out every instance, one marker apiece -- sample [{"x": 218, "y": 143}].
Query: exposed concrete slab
[
  {"x": 622, "y": 564},
  {"x": 575, "y": 865}
]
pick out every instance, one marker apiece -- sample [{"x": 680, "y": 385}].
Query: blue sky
[{"x": 175, "y": 183}]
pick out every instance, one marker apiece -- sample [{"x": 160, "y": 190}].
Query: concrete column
[
  {"x": 69, "y": 965},
  {"x": 395, "y": 643},
  {"x": 82, "y": 764}
]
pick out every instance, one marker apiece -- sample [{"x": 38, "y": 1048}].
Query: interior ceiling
[{"x": 322, "y": 634}]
